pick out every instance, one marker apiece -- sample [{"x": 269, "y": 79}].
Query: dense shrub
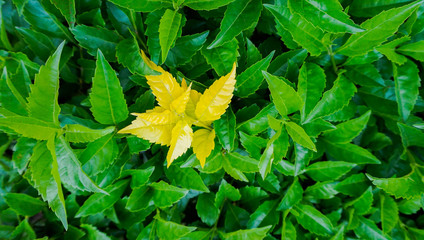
[{"x": 255, "y": 119}]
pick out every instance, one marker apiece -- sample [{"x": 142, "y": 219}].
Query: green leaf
[
  {"x": 242, "y": 163},
  {"x": 226, "y": 191},
  {"x": 79, "y": 133},
  {"x": 389, "y": 50},
  {"x": 258, "y": 123},
  {"x": 328, "y": 170},
  {"x": 206, "y": 4},
  {"x": 321, "y": 190},
  {"x": 299, "y": 135},
  {"x": 408, "y": 186},
  {"x": 414, "y": 50},
  {"x": 377, "y": 30},
  {"x": 239, "y": 16},
  {"x": 23, "y": 204},
  {"x": 363, "y": 203},
  {"x": 143, "y": 5},
  {"x": 67, "y": 8},
  {"x": 251, "y": 234},
  {"x": 266, "y": 160},
  {"x": 139, "y": 177},
  {"x": 292, "y": 197},
  {"x": 349, "y": 152},
  {"x": 334, "y": 99},
  {"x": 170, "y": 24},
  {"x": 354, "y": 185},
  {"x": 99, "y": 202},
  {"x": 327, "y": 15},
  {"x": 23, "y": 231},
  {"x": 171, "y": 230},
  {"x": 407, "y": 83},
  {"x": 364, "y": 75},
  {"x": 140, "y": 198},
  {"x": 303, "y": 32},
  {"x": 411, "y": 136},
  {"x": 11, "y": 99},
  {"x": 302, "y": 158},
  {"x": 288, "y": 231},
  {"x": 107, "y": 99},
  {"x": 71, "y": 173},
  {"x": 99, "y": 155},
  {"x": 38, "y": 42},
  {"x": 312, "y": 220},
  {"x": 164, "y": 195},
  {"x": 222, "y": 58},
  {"x": 21, "y": 80},
  {"x": 93, "y": 233},
  {"x": 206, "y": 209},
  {"x": 43, "y": 99},
  {"x": 265, "y": 214},
  {"x": 368, "y": 230},
  {"x": 347, "y": 131},
  {"x": 22, "y": 153},
  {"x": 251, "y": 79},
  {"x": 185, "y": 48},
  {"x": 45, "y": 177},
  {"x": 225, "y": 129},
  {"x": 285, "y": 98},
  {"x": 186, "y": 177},
  {"x": 128, "y": 54},
  {"x": 45, "y": 22},
  {"x": 252, "y": 144},
  {"x": 94, "y": 38},
  {"x": 310, "y": 86},
  {"x": 152, "y": 32},
  {"x": 30, "y": 127},
  {"x": 389, "y": 213}
]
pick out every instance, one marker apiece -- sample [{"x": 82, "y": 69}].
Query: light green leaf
[
  {"x": 303, "y": 32},
  {"x": 22, "y": 153},
  {"x": 265, "y": 214},
  {"x": 164, "y": 195},
  {"x": 206, "y": 4},
  {"x": 368, "y": 230},
  {"x": 242, "y": 163},
  {"x": 42, "y": 101},
  {"x": 302, "y": 158},
  {"x": 143, "y": 5},
  {"x": 299, "y": 135},
  {"x": 345, "y": 132},
  {"x": 251, "y": 79},
  {"x": 140, "y": 198},
  {"x": 170, "y": 24},
  {"x": 67, "y": 8},
  {"x": 100, "y": 202},
  {"x": 71, "y": 173},
  {"x": 93, "y": 233},
  {"x": 139, "y": 177},
  {"x": 239, "y": 16},
  {"x": 259, "y": 123},
  {"x": 225, "y": 129},
  {"x": 30, "y": 127},
  {"x": 310, "y": 86},
  {"x": 23, "y": 204},
  {"x": 354, "y": 185},
  {"x": 128, "y": 54},
  {"x": 252, "y": 144},
  {"x": 79, "y": 133},
  {"x": 389, "y": 213},
  {"x": 226, "y": 191},
  {"x": 45, "y": 177},
  {"x": 288, "y": 231},
  {"x": 415, "y": 50},
  {"x": 328, "y": 170},
  {"x": 377, "y": 30},
  {"x": 389, "y": 50},
  {"x": 94, "y": 38},
  {"x": 251, "y": 234},
  {"x": 407, "y": 83},
  {"x": 334, "y": 99},
  {"x": 363, "y": 203},
  {"x": 312, "y": 220},
  {"x": 364, "y": 75},
  {"x": 411, "y": 136},
  {"x": 107, "y": 99},
  {"x": 292, "y": 197},
  {"x": 408, "y": 186},
  {"x": 171, "y": 230},
  {"x": 349, "y": 152},
  {"x": 327, "y": 15},
  {"x": 285, "y": 98}
]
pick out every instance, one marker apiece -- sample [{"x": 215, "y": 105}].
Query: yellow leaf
[
  {"x": 182, "y": 135},
  {"x": 203, "y": 144},
  {"x": 164, "y": 86},
  {"x": 154, "y": 125},
  {"x": 192, "y": 102},
  {"x": 215, "y": 100},
  {"x": 179, "y": 104}
]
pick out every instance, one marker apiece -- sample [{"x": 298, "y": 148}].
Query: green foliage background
[{"x": 323, "y": 138}]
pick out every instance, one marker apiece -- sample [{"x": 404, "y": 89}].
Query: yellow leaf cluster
[{"x": 179, "y": 108}]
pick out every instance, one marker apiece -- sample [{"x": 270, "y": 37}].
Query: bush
[{"x": 254, "y": 119}]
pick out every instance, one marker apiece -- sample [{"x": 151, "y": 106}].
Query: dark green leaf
[
  {"x": 324, "y": 171},
  {"x": 292, "y": 197},
  {"x": 23, "y": 204},
  {"x": 225, "y": 129},
  {"x": 222, "y": 58},
  {"x": 313, "y": 220},
  {"x": 170, "y": 24},
  {"x": 171, "y": 230}
]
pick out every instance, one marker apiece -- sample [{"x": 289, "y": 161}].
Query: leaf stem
[{"x": 333, "y": 61}]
